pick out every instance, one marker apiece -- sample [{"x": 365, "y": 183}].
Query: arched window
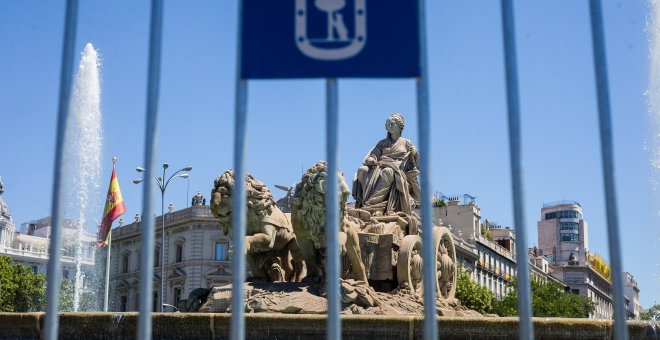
[
  {"x": 179, "y": 252},
  {"x": 125, "y": 262},
  {"x": 178, "y": 249}
]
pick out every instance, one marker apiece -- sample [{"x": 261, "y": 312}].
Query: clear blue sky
[{"x": 561, "y": 151}]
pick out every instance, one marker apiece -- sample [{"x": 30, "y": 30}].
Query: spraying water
[
  {"x": 653, "y": 97},
  {"x": 653, "y": 93},
  {"x": 84, "y": 148}
]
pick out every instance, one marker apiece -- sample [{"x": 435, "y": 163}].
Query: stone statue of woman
[{"x": 387, "y": 181}]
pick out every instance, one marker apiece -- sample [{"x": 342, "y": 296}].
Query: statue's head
[
  {"x": 309, "y": 200},
  {"x": 443, "y": 250},
  {"x": 394, "y": 123},
  {"x": 221, "y": 203},
  {"x": 260, "y": 201}
]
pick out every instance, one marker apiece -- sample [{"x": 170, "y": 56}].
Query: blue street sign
[{"x": 330, "y": 38}]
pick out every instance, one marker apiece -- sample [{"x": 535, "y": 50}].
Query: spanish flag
[{"x": 114, "y": 207}]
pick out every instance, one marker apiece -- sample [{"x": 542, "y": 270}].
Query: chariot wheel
[
  {"x": 445, "y": 262},
  {"x": 409, "y": 266}
]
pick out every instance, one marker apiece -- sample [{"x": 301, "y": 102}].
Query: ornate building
[
  {"x": 631, "y": 292},
  {"x": 29, "y": 245},
  {"x": 495, "y": 262},
  {"x": 564, "y": 240},
  {"x": 197, "y": 255}
]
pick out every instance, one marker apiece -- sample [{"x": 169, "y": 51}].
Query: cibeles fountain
[{"x": 380, "y": 240}]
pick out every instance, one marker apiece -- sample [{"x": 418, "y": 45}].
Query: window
[
  {"x": 563, "y": 214},
  {"x": 575, "y": 291},
  {"x": 137, "y": 302},
  {"x": 123, "y": 300},
  {"x": 569, "y": 237},
  {"x": 137, "y": 253},
  {"x": 177, "y": 296},
  {"x": 568, "y": 226},
  {"x": 157, "y": 257},
  {"x": 155, "y": 306},
  {"x": 125, "y": 261},
  {"x": 179, "y": 252},
  {"x": 221, "y": 251}
]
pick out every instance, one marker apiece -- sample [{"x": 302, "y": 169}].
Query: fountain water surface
[{"x": 84, "y": 150}]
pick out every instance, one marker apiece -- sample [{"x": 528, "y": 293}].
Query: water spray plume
[{"x": 84, "y": 148}]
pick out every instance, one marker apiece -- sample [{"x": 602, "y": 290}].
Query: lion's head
[
  {"x": 309, "y": 201},
  {"x": 259, "y": 199}
]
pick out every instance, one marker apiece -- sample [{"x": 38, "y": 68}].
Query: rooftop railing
[{"x": 562, "y": 202}]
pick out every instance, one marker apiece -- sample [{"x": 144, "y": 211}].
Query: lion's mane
[
  {"x": 309, "y": 201},
  {"x": 260, "y": 200}
]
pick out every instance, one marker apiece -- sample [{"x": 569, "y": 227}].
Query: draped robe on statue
[{"x": 388, "y": 186}]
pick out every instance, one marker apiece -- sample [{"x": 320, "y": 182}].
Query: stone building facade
[
  {"x": 564, "y": 240},
  {"x": 197, "y": 255},
  {"x": 29, "y": 244},
  {"x": 631, "y": 292},
  {"x": 486, "y": 249},
  {"x": 495, "y": 264}
]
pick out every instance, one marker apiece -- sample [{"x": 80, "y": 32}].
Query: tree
[
  {"x": 548, "y": 300},
  {"x": 66, "y": 298},
  {"x": 486, "y": 233},
  {"x": 471, "y": 294},
  {"x": 652, "y": 313},
  {"x": 21, "y": 290}
]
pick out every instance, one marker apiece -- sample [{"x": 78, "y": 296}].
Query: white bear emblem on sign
[{"x": 340, "y": 41}]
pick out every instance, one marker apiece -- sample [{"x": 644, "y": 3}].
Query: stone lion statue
[
  {"x": 271, "y": 249},
  {"x": 308, "y": 216}
]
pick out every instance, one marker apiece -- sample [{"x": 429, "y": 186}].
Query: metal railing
[{"x": 239, "y": 218}]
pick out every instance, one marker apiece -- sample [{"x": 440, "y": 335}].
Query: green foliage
[
  {"x": 22, "y": 290},
  {"x": 439, "y": 203},
  {"x": 652, "y": 314},
  {"x": 486, "y": 233},
  {"x": 66, "y": 298},
  {"x": 471, "y": 294},
  {"x": 548, "y": 300}
]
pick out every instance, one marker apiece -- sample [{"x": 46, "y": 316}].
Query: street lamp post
[{"x": 162, "y": 185}]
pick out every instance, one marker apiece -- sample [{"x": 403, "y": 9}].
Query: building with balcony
[
  {"x": 631, "y": 292},
  {"x": 564, "y": 240},
  {"x": 495, "y": 264},
  {"x": 29, "y": 244},
  {"x": 197, "y": 255}
]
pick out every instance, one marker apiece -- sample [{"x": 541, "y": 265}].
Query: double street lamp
[{"x": 162, "y": 185}]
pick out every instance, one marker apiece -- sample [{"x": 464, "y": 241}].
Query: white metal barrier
[{"x": 332, "y": 117}]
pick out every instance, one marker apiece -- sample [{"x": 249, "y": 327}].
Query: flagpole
[
  {"x": 107, "y": 257},
  {"x": 107, "y": 272}
]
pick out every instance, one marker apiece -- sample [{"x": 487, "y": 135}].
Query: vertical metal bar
[
  {"x": 510, "y": 64},
  {"x": 239, "y": 218},
  {"x": 162, "y": 240},
  {"x": 55, "y": 250},
  {"x": 239, "y": 214},
  {"x": 424, "y": 125},
  {"x": 332, "y": 208},
  {"x": 151, "y": 133},
  {"x": 107, "y": 272},
  {"x": 607, "y": 154}
]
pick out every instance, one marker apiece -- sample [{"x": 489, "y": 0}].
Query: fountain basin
[{"x": 294, "y": 326}]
